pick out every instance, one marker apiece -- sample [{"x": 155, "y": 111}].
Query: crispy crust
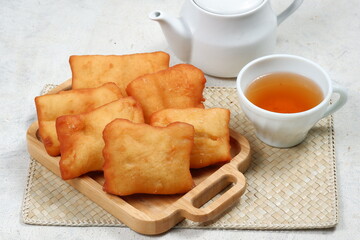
[
  {"x": 80, "y": 135},
  {"x": 94, "y": 70},
  {"x": 180, "y": 86},
  {"x": 212, "y": 136},
  {"x": 51, "y": 106},
  {"x": 140, "y": 158}
]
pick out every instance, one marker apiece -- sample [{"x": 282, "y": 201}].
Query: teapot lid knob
[{"x": 228, "y": 7}]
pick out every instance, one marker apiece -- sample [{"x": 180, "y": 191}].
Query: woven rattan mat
[{"x": 287, "y": 188}]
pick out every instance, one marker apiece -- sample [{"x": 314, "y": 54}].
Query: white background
[{"x": 37, "y": 38}]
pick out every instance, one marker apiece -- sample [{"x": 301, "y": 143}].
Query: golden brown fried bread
[
  {"x": 80, "y": 135},
  {"x": 140, "y": 158},
  {"x": 212, "y": 138},
  {"x": 90, "y": 71},
  {"x": 51, "y": 106},
  {"x": 180, "y": 86}
]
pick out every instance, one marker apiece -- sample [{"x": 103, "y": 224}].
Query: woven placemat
[{"x": 287, "y": 188}]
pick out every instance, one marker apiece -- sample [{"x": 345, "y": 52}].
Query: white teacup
[{"x": 287, "y": 129}]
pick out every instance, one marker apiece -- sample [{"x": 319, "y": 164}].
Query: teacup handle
[
  {"x": 289, "y": 10},
  {"x": 343, "y": 96}
]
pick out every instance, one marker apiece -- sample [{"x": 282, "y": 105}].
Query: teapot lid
[{"x": 228, "y": 7}]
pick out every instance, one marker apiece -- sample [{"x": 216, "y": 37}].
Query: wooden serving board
[{"x": 155, "y": 214}]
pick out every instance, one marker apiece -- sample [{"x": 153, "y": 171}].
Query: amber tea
[{"x": 284, "y": 92}]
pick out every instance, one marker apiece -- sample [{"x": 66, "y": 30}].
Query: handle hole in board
[{"x": 216, "y": 190}]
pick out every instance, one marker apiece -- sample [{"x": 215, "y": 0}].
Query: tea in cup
[{"x": 284, "y": 96}]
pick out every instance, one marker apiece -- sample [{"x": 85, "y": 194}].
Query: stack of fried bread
[{"x": 138, "y": 120}]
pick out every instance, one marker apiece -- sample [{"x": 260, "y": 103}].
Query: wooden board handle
[{"x": 225, "y": 177}]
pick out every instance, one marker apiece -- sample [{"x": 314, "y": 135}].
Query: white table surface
[{"x": 37, "y": 38}]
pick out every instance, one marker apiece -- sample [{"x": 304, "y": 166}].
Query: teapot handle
[{"x": 289, "y": 10}]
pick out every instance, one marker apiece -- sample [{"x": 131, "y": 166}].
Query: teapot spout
[{"x": 176, "y": 32}]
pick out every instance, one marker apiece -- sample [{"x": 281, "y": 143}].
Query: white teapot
[{"x": 221, "y": 36}]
